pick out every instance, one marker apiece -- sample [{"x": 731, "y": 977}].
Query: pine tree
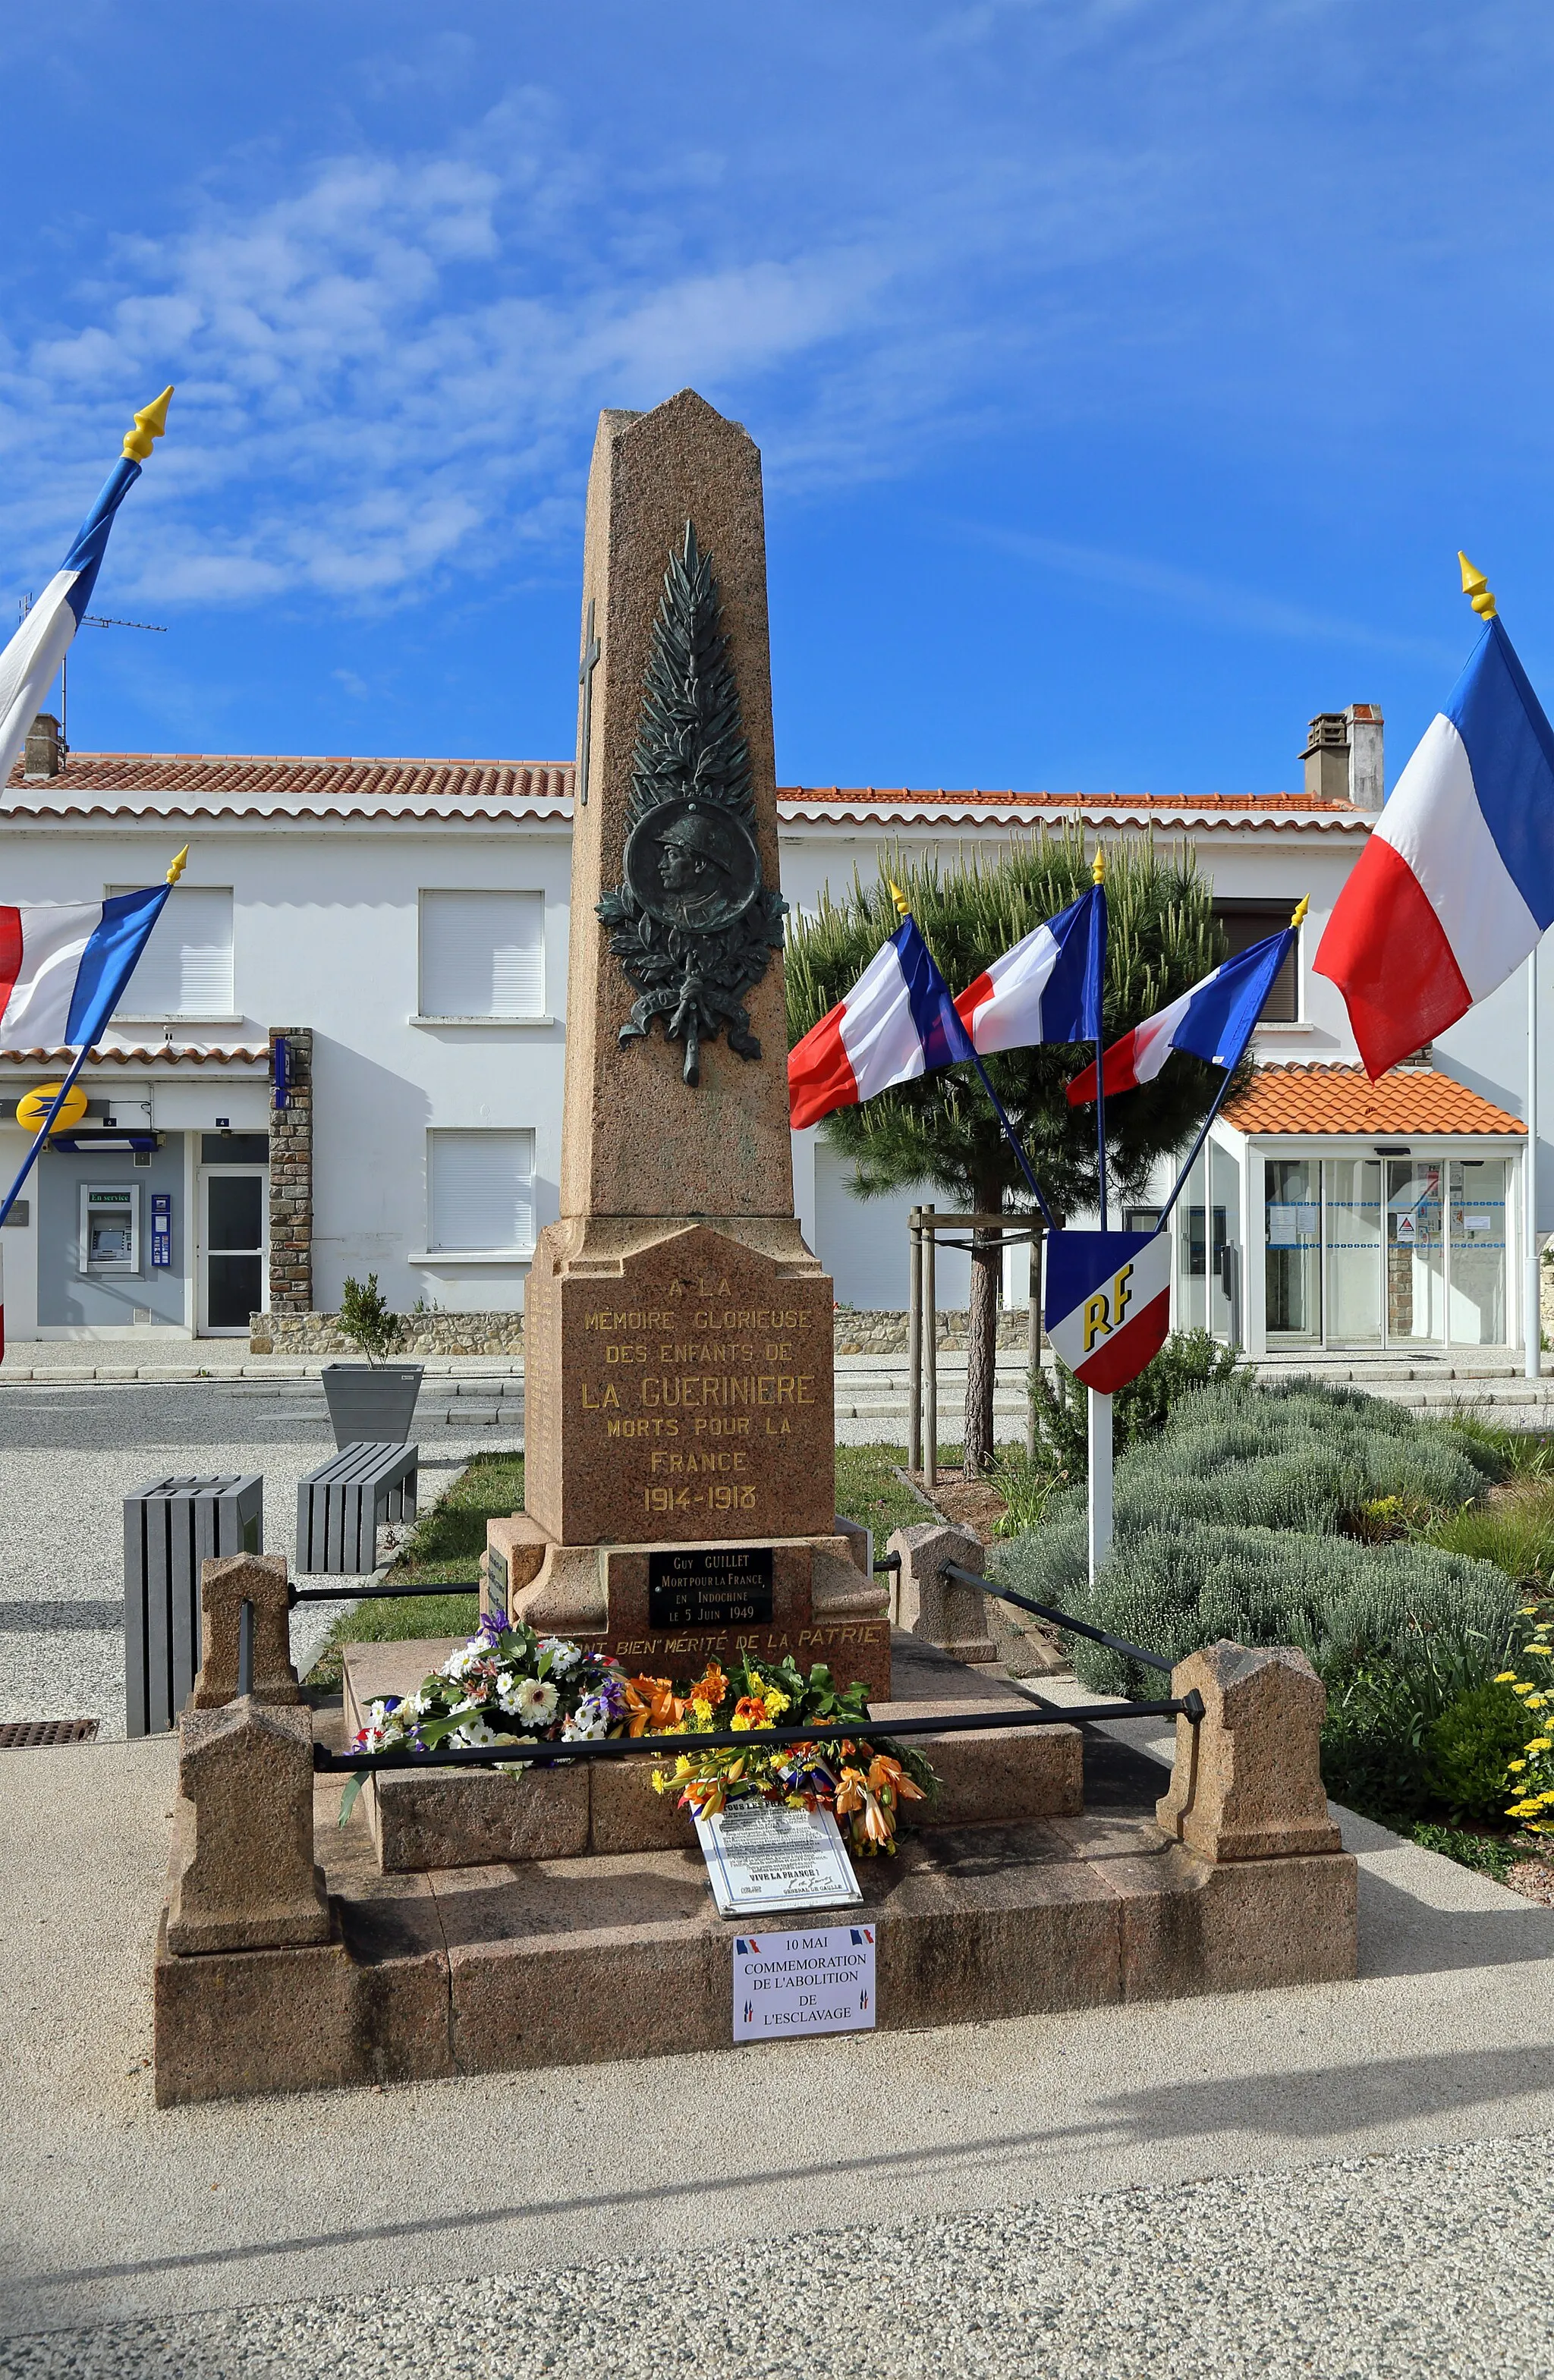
[{"x": 941, "y": 1130}]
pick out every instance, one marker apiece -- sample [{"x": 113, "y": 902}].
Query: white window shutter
[
  {"x": 482, "y": 1190},
  {"x": 185, "y": 969},
  {"x": 483, "y": 954}
]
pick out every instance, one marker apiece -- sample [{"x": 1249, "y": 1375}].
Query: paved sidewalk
[
  {"x": 1430, "y": 2262},
  {"x": 115, "y": 2210},
  {"x": 73, "y": 1452}
]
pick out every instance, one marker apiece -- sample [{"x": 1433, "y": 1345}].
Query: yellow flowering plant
[
  {"x": 1531, "y": 1778},
  {"x": 864, "y": 1781}
]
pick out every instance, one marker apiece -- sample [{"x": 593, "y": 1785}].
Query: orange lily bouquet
[{"x": 865, "y": 1781}]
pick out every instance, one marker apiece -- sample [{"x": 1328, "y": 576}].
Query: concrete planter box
[{"x": 371, "y": 1403}]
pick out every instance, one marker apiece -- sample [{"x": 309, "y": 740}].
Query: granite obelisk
[{"x": 678, "y": 1408}]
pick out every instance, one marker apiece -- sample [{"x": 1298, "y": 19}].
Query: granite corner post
[
  {"x": 1247, "y": 1779},
  {"x": 940, "y": 1609},
  {"x": 227, "y": 1583}
]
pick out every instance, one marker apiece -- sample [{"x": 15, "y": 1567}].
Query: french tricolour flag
[
  {"x": 1456, "y": 884},
  {"x": 1214, "y": 1020},
  {"x": 31, "y": 662},
  {"x": 62, "y": 971},
  {"x": 898, "y": 1022},
  {"x": 1048, "y": 987}
]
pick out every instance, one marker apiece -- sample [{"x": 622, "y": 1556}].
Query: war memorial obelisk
[{"x": 679, "y": 1480}]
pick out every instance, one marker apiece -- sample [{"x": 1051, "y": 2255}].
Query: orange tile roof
[
  {"x": 291, "y": 777},
  {"x": 1343, "y": 1098},
  {"x": 158, "y": 1053},
  {"x": 293, "y": 774}
]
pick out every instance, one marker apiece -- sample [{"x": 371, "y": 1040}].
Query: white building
[{"x": 399, "y": 927}]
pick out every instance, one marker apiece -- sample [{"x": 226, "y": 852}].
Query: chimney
[
  {"x": 44, "y": 756},
  {"x": 1342, "y": 756},
  {"x": 1327, "y": 756},
  {"x": 1367, "y": 783}
]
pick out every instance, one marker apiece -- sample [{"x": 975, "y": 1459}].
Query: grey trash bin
[{"x": 169, "y": 1529}]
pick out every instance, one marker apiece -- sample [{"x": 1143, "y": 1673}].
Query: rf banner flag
[{"x": 1107, "y": 1303}]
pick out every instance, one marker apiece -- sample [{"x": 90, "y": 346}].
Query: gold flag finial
[
  {"x": 899, "y": 897},
  {"x": 150, "y": 422},
  {"x": 1477, "y": 586},
  {"x": 1098, "y": 866},
  {"x": 178, "y": 865},
  {"x": 1301, "y": 907}
]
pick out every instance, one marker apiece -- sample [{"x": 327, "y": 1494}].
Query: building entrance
[{"x": 234, "y": 1245}]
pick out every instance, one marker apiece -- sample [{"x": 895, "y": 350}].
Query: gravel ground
[
  {"x": 72, "y": 1452},
  {"x": 1431, "y": 2263}
]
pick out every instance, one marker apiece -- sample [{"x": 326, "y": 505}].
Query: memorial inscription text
[{"x": 697, "y": 1388}]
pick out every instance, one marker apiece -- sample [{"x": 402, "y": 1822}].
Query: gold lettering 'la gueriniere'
[{"x": 678, "y": 1332}]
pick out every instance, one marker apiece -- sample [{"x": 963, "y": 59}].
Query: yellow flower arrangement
[{"x": 1535, "y": 1771}]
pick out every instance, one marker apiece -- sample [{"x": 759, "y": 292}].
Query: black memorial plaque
[{"x": 710, "y": 1586}]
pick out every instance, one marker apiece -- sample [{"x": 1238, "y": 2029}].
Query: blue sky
[{"x": 1127, "y": 371}]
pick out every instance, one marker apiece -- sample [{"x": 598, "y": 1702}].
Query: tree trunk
[{"x": 981, "y": 1337}]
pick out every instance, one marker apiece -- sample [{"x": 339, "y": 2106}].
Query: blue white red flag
[
  {"x": 29, "y": 664},
  {"x": 1048, "y": 987},
  {"x": 1456, "y": 884},
  {"x": 63, "y": 970},
  {"x": 1214, "y": 1020},
  {"x": 897, "y": 1023},
  {"x": 1107, "y": 1303}
]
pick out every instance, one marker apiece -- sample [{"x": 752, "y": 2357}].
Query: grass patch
[
  {"x": 867, "y": 1490},
  {"x": 1513, "y": 1529},
  {"x": 1490, "y": 1855}
]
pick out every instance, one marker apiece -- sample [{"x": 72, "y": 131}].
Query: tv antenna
[{"x": 87, "y": 620}]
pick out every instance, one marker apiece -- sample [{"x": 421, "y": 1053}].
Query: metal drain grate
[{"x": 15, "y": 1733}]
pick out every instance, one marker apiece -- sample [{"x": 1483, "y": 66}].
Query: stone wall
[
  {"x": 291, "y": 1177},
  {"x": 421, "y": 1334},
  {"x": 885, "y": 1335},
  {"x": 281, "y": 1333}
]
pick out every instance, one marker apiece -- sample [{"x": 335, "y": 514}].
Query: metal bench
[
  {"x": 342, "y": 1504},
  {"x": 170, "y": 1528}
]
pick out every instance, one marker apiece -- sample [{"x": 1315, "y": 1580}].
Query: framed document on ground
[{"x": 762, "y": 1856}]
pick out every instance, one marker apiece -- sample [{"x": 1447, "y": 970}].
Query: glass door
[
  {"x": 1477, "y": 1250},
  {"x": 1352, "y": 1244},
  {"x": 1293, "y": 1262},
  {"x": 1415, "y": 1254},
  {"x": 233, "y": 1248}
]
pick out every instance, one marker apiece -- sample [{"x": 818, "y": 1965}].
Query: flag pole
[
  {"x": 44, "y": 1129},
  {"x": 1295, "y": 922},
  {"x": 1098, "y": 1417},
  {"x": 1097, "y": 877},
  {"x": 903, "y": 910},
  {"x": 1531, "y": 1295},
  {"x": 28, "y": 1163}
]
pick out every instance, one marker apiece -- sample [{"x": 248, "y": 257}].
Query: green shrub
[
  {"x": 1466, "y": 1750},
  {"x": 1190, "y": 1359},
  {"x": 1229, "y": 1524},
  {"x": 366, "y": 1320}
]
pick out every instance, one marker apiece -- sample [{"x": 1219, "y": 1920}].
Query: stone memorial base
[
  {"x": 465, "y": 1817},
  {"x": 581, "y": 1943},
  {"x": 570, "y": 1962}
]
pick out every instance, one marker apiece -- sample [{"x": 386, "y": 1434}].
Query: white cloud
[{"x": 386, "y": 374}]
